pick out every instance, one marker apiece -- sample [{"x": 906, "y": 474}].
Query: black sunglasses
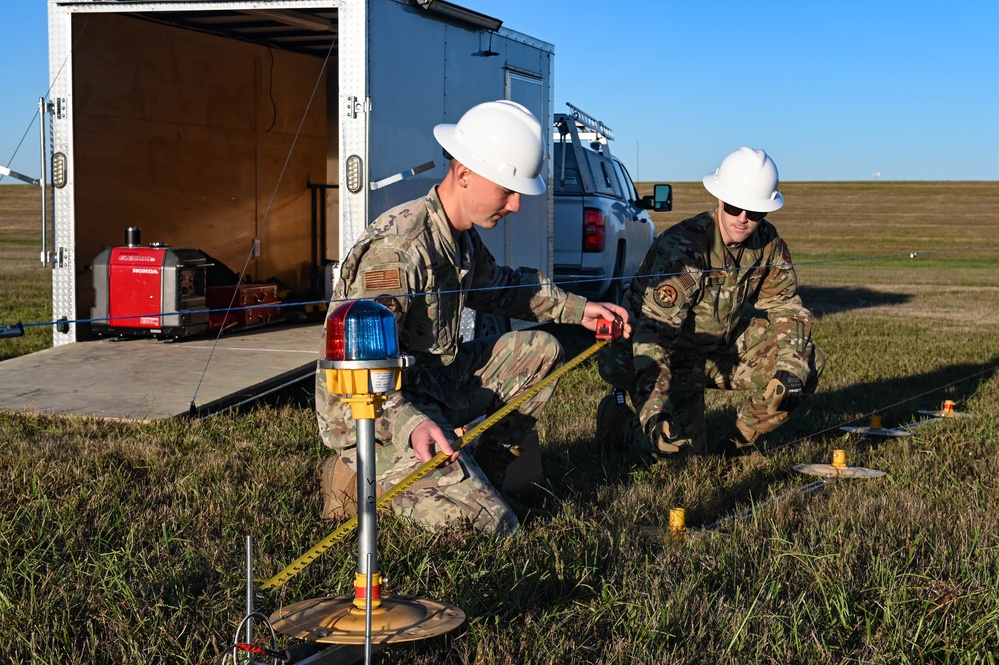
[{"x": 750, "y": 215}]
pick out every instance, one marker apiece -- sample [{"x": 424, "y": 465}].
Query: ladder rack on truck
[
  {"x": 582, "y": 129},
  {"x": 587, "y": 121}
]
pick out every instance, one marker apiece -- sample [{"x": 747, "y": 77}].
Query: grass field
[
  {"x": 25, "y": 285},
  {"x": 124, "y": 543}
]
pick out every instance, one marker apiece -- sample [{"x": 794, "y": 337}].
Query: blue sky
[{"x": 833, "y": 91}]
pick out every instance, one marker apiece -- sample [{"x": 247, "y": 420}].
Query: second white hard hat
[
  {"x": 501, "y": 141},
  {"x": 747, "y": 179}
]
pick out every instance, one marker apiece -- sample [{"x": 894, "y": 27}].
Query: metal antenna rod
[
  {"x": 367, "y": 611},
  {"x": 249, "y": 589}
]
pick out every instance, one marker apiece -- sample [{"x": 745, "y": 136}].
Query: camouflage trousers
[
  {"x": 489, "y": 373},
  {"x": 747, "y": 363}
]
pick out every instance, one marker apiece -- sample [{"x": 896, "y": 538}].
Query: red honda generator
[{"x": 153, "y": 291}]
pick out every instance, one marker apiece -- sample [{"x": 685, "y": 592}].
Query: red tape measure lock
[{"x": 608, "y": 329}]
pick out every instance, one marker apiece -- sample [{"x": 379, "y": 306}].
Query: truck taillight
[{"x": 594, "y": 230}]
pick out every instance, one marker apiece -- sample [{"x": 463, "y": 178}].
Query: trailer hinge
[
  {"x": 356, "y": 107},
  {"x": 57, "y": 107}
]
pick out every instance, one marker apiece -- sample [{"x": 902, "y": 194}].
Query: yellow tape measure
[{"x": 428, "y": 466}]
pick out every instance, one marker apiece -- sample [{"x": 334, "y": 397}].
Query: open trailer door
[{"x": 223, "y": 129}]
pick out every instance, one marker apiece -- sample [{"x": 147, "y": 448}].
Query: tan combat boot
[
  {"x": 512, "y": 468},
  {"x": 741, "y": 440},
  {"x": 525, "y": 470},
  {"x": 339, "y": 487}
]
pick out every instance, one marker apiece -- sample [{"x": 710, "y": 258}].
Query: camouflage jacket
[
  {"x": 409, "y": 260},
  {"x": 691, "y": 292}
]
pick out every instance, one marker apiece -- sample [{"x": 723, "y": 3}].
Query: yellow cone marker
[{"x": 677, "y": 521}]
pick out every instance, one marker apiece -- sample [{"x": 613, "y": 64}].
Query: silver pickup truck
[{"x": 601, "y": 226}]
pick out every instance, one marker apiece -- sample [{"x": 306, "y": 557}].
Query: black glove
[
  {"x": 784, "y": 392},
  {"x": 661, "y": 436}
]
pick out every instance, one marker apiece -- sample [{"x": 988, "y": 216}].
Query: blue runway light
[{"x": 361, "y": 330}]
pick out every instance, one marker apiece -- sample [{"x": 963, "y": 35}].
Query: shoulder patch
[
  {"x": 665, "y": 296},
  {"x": 382, "y": 279},
  {"x": 390, "y": 303},
  {"x": 785, "y": 254}
]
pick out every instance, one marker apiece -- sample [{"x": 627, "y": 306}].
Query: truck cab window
[{"x": 629, "y": 186}]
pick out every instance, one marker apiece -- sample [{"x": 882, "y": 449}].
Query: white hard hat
[
  {"x": 747, "y": 179},
  {"x": 501, "y": 141}
]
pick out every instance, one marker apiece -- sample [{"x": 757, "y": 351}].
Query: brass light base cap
[
  {"x": 336, "y": 620},
  {"x": 876, "y": 431},
  {"x": 830, "y": 471}
]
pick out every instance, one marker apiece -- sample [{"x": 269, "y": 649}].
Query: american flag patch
[{"x": 382, "y": 279}]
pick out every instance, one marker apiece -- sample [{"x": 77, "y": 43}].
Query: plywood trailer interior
[{"x": 201, "y": 141}]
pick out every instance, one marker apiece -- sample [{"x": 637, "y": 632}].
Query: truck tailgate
[{"x": 568, "y": 229}]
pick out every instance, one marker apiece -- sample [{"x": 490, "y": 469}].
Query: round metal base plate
[
  {"x": 876, "y": 431},
  {"x": 830, "y": 471},
  {"x": 947, "y": 414},
  {"x": 335, "y": 620},
  {"x": 664, "y": 532}
]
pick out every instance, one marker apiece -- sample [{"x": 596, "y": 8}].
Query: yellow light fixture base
[
  {"x": 335, "y": 620},
  {"x": 677, "y": 521}
]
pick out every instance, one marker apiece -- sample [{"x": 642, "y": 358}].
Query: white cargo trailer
[{"x": 266, "y": 133}]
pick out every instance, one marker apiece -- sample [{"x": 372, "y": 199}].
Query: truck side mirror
[{"x": 663, "y": 198}]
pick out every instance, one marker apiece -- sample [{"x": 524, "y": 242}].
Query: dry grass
[
  {"x": 852, "y": 244},
  {"x": 852, "y": 219},
  {"x": 25, "y": 285},
  {"x": 124, "y": 543}
]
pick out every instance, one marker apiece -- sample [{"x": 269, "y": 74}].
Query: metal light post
[{"x": 362, "y": 363}]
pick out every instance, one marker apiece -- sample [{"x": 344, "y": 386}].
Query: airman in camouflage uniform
[
  {"x": 715, "y": 306},
  {"x": 425, "y": 261}
]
